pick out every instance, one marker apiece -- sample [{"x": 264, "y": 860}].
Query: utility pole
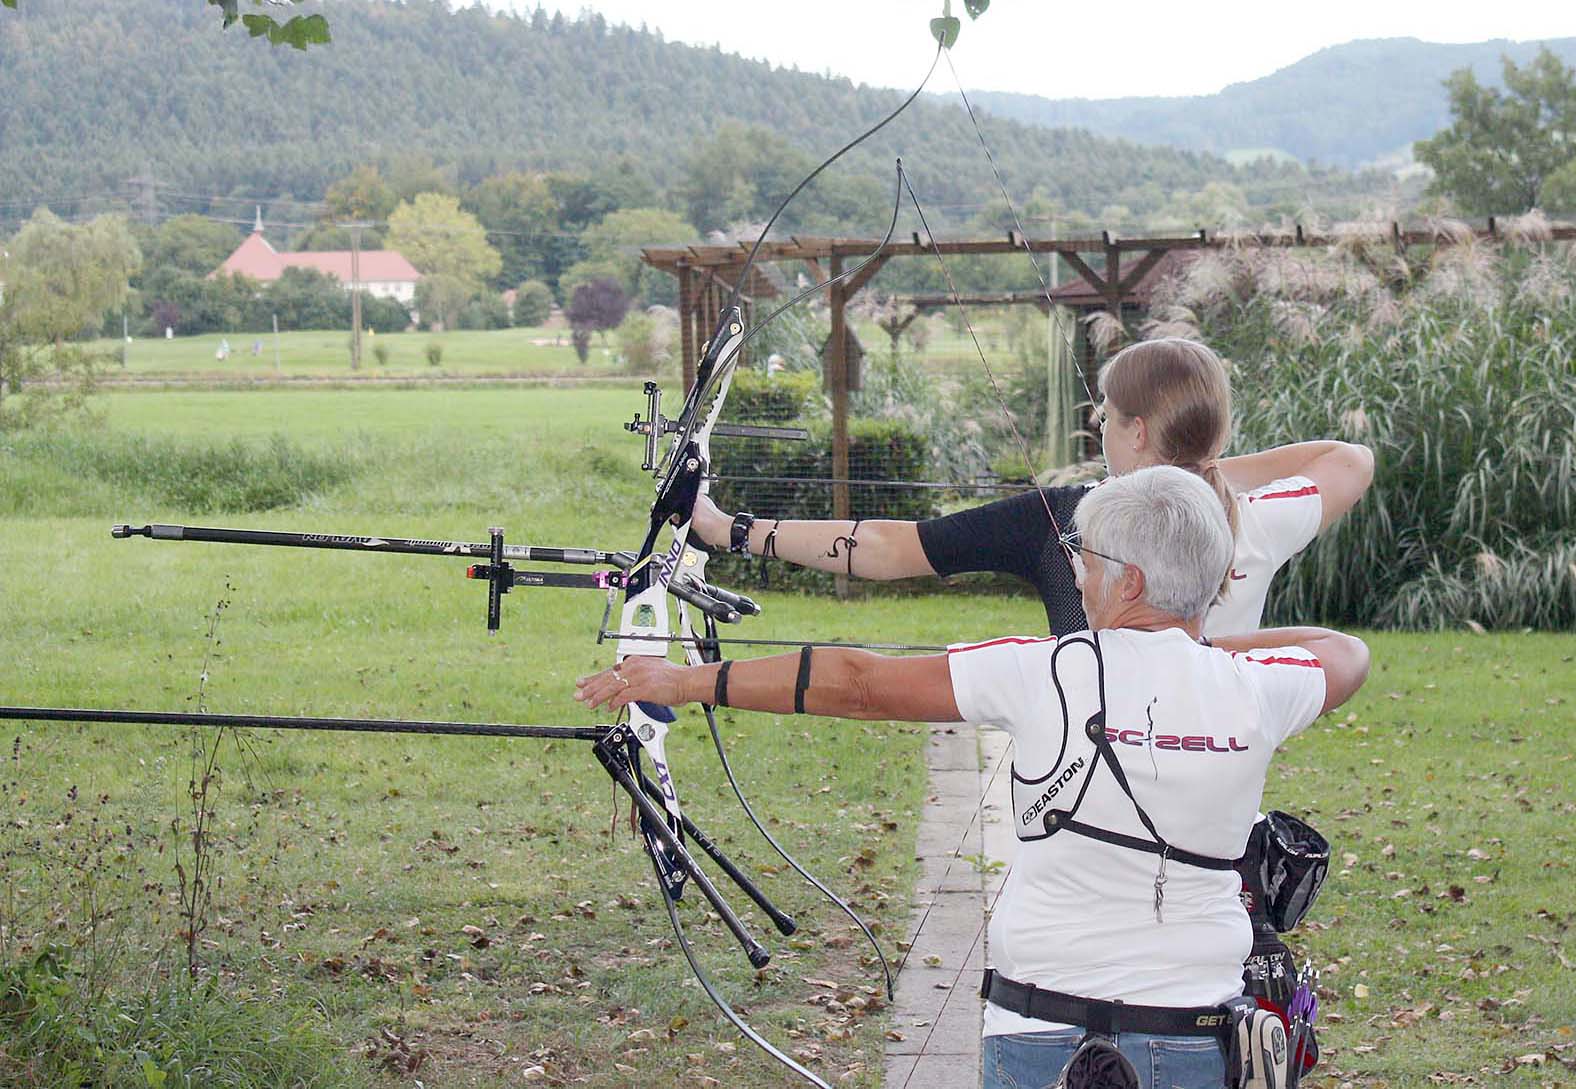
[
  {"x": 147, "y": 198},
  {"x": 355, "y": 292}
]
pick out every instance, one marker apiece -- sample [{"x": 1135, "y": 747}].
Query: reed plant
[{"x": 1457, "y": 369}]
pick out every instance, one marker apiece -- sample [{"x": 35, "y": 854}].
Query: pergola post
[
  {"x": 837, "y": 374},
  {"x": 687, "y": 337}
]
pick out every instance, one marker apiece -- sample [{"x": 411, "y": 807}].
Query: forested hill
[
  {"x": 97, "y": 93},
  {"x": 1346, "y": 105}
]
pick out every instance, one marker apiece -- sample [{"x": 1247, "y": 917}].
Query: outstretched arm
[
  {"x": 843, "y": 683},
  {"x": 1341, "y": 470},
  {"x": 1344, "y": 658},
  {"x": 885, "y": 549}
]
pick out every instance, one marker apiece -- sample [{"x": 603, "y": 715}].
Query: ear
[
  {"x": 1140, "y": 433},
  {"x": 1132, "y": 584}
]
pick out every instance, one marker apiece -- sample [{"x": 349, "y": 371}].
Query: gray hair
[{"x": 1169, "y": 524}]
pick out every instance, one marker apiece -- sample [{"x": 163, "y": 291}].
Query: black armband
[{"x": 803, "y": 682}]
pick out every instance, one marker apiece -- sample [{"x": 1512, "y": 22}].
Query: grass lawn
[
  {"x": 461, "y": 910},
  {"x": 325, "y": 354},
  {"x": 536, "y": 352}
]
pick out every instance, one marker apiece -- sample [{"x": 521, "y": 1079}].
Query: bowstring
[
  {"x": 1022, "y": 236},
  {"x": 1001, "y": 400}
]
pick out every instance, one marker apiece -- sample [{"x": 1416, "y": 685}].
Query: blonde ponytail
[{"x": 1181, "y": 390}]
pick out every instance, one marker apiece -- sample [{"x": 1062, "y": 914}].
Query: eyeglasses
[{"x": 1072, "y": 542}]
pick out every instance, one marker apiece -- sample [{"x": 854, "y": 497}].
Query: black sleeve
[{"x": 1014, "y": 536}]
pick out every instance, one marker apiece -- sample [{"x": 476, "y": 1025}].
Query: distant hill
[
  {"x": 98, "y": 93},
  {"x": 1348, "y": 105}
]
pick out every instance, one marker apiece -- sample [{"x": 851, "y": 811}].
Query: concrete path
[{"x": 963, "y": 857}]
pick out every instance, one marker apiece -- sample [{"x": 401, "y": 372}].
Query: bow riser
[{"x": 645, "y": 620}]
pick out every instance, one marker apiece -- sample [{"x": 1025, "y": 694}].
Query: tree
[
  {"x": 448, "y": 246},
  {"x": 1505, "y": 146},
  {"x": 190, "y": 243},
  {"x": 533, "y": 303},
  {"x": 330, "y": 236},
  {"x": 580, "y": 337},
  {"x": 440, "y": 298},
  {"x": 612, "y": 249},
  {"x": 360, "y": 195},
  {"x": 58, "y": 281},
  {"x": 597, "y": 307},
  {"x": 305, "y": 298},
  {"x": 442, "y": 240},
  {"x": 523, "y": 210},
  {"x": 299, "y": 31}
]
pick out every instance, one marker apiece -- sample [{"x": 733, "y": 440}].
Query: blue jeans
[{"x": 1034, "y": 1060}]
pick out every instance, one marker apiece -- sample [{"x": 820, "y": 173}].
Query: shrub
[
  {"x": 533, "y": 303},
  {"x": 434, "y": 354},
  {"x": 645, "y": 340},
  {"x": 877, "y": 450},
  {"x": 772, "y": 399},
  {"x": 380, "y": 352}
]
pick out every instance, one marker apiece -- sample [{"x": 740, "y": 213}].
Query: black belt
[{"x": 1099, "y": 1015}]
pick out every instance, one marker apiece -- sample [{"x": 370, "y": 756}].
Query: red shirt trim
[
  {"x": 1295, "y": 493},
  {"x": 1019, "y": 640},
  {"x": 1312, "y": 663}
]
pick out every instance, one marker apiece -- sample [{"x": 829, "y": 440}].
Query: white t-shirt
[
  {"x": 1274, "y": 523},
  {"x": 1194, "y": 728}
]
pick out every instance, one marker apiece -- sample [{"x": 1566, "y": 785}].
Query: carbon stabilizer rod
[
  {"x": 293, "y": 722},
  {"x": 417, "y": 547}
]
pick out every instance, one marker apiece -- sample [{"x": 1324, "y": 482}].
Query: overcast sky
[{"x": 1070, "y": 49}]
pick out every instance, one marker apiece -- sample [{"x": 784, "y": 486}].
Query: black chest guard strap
[{"x": 1064, "y": 819}]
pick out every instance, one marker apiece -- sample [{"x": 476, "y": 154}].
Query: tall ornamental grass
[{"x": 1458, "y": 367}]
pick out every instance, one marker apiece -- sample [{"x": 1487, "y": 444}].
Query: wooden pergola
[{"x": 1128, "y": 268}]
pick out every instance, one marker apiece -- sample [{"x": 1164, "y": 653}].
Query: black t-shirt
[{"x": 1013, "y": 536}]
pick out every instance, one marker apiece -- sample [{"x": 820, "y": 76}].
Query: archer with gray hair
[{"x": 1139, "y": 757}]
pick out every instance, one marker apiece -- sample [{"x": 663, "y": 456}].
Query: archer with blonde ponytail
[{"x": 1168, "y": 402}]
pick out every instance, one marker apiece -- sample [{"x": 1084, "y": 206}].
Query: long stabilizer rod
[
  {"x": 162, "y": 532},
  {"x": 292, "y": 722}
]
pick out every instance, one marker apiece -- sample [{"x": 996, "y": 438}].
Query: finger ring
[{"x": 625, "y": 680}]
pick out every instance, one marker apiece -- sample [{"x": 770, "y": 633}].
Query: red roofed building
[{"x": 384, "y": 273}]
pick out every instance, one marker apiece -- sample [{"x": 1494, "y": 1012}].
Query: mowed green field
[
  {"x": 463, "y": 911},
  {"x": 325, "y": 354},
  {"x": 539, "y": 352}
]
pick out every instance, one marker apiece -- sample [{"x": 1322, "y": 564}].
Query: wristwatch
[{"x": 739, "y": 535}]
